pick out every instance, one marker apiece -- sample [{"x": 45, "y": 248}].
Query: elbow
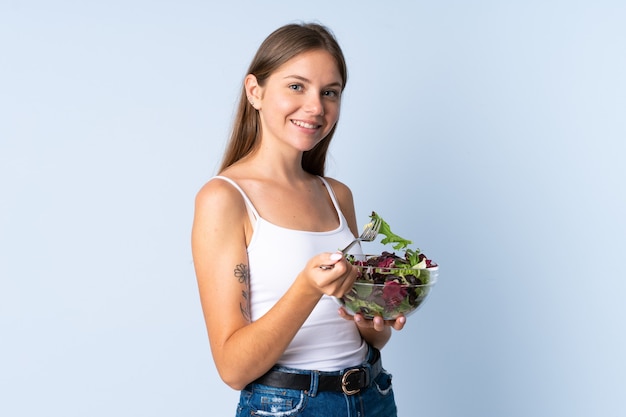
[
  {"x": 234, "y": 380},
  {"x": 235, "y": 370},
  {"x": 235, "y": 384}
]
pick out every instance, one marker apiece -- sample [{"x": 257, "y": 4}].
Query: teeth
[{"x": 303, "y": 124}]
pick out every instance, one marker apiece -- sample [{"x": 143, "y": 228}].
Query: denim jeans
[{"x": 376, "y": 400}]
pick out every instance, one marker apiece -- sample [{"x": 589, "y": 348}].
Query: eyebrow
[{"x": 306, "y": 80}]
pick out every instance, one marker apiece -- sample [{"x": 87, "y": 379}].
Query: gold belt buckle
[{"x": 344, "y": 382}]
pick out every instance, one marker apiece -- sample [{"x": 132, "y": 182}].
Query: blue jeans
[{"x": 376, "y": 400}]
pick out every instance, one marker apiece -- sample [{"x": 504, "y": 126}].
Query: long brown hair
[{"x": 279, "y": 47}]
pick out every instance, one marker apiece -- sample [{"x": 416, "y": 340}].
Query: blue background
[{"x": 494, "y": 134}]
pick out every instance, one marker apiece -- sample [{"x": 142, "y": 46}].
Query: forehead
[{"x": 317, "y": 65}]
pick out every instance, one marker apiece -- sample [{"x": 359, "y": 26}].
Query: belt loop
[
  {"x": 371, "y": 354},
  {"x": 315, "y": 382},
  {"x": 372, "y": 364}
]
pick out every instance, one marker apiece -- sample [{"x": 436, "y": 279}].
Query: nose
[{"x": 314, "y": 105}]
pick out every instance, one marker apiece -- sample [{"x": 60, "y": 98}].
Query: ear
[{"x": 254, "y": 91}]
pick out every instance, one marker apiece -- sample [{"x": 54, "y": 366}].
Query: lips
[{"x": 305, "y": 125}]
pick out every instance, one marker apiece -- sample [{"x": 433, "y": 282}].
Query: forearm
[{"x": 253, "y": 349}]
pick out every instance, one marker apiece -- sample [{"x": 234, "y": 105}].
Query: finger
[
  {"x": 362, "y": 321},
  {"x": 347, "y": 286},
  {"x": 398, "y": 323},
  {"x": 333, "y": 258},
  {"x": 345, "y": 281},
  {"x": 379, "y": 323},
  {"x": 345, "y": 315}
]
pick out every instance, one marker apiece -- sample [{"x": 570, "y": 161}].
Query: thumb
[{"x": 335, "y": 257}]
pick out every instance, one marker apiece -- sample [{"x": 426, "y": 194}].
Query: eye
[
  {"x": 296, "y": 87},
  {"x": 331, "y": 93}
]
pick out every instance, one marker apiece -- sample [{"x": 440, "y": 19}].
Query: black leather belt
[{"x": 351, "y": 380}]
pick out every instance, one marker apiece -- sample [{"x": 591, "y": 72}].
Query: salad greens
[
  {"x": 390, "y": 237},
  {"x": 412, "y": 258},
  {"x": 390, "y": 284}
]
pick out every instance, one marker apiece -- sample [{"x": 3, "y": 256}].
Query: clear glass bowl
[{"x": 392, "y": 298}]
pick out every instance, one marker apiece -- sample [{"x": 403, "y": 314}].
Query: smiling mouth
[{"x": 305, "y": 124}]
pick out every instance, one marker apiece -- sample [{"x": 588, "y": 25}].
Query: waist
[
  {"x": 325, "y": 342},
  {"x": 350, "y": 381}
]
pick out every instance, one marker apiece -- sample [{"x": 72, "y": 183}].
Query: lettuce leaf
[{"x": 390, "y": 237}]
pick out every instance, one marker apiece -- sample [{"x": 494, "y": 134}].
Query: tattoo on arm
[{"x": 243, "y": 276}]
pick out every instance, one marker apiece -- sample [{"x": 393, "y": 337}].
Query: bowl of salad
[{"x": 392, "y": 283}]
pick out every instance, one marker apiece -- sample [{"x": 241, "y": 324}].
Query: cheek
[
  {"x": 331, "y": 115},
  {"x": 285, "y": 105}
]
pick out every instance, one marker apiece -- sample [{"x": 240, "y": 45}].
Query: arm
[
  {"x": 244, "y": 350},
  {"x": 376, "y": 332}
]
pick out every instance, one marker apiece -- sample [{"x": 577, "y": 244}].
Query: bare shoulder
[
  {"x": 220, "y": 213},
  {"x": 217, "y": 196}
]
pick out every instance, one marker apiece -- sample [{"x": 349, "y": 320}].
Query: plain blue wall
[{"x": 496, "y": 136}]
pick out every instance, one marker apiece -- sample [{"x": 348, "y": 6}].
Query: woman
[{"x": 263, "y": 229}]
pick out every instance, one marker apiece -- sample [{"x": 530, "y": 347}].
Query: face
[{"x": 299, "y": 103}]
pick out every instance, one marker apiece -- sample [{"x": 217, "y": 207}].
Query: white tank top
[{"x": 276, "y": 255}]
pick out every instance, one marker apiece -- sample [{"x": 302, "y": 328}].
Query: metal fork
[{"x": 369, "y": 234}]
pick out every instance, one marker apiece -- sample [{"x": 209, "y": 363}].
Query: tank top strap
[
  {"x": 247, "y": 200},
  {"x": 331, "y": 193}
]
